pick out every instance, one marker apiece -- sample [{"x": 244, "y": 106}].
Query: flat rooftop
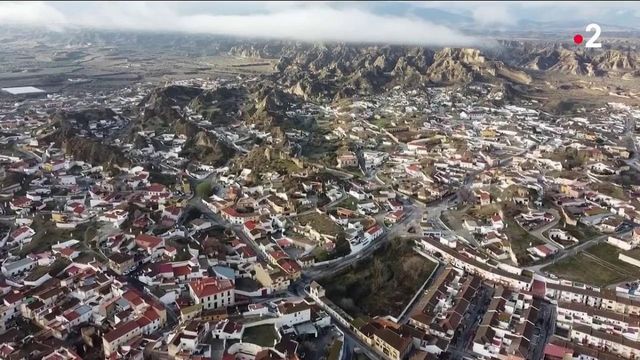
[{"x": 22, "y": 90}]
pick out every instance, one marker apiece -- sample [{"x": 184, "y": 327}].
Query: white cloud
[
  {"x": 493, "y": 14},
  {"x": 306, "y": 21},
  {"x": 510, "y": 13},
  {"x": 30, "y": 13}
]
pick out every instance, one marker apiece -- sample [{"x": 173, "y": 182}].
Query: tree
[
  {"x": 204, "y": 189},
  {"x": 377, "y": 274},
  {"x": 412, "y": 268},
  {"x": 466, "y": 196}
]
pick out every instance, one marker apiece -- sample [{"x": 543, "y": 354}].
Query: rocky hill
[
  {"x": 67, "y": 136},
  {"x": 340, "y": 70},
  {"x": 336, "y": 71},
  {"x": 580, "y": 62},
  {"x": 81, "y": 119},
  {"x": 164, "y": 110},
  {"x": 220, "y": 106},
  {"x": 162, "y": 107},
  {"x": 262, "y": 50},
  {"x": 207, "y": 148},
  {"x": 268, "y": 104}
]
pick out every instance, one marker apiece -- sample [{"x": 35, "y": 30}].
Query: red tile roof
[
  {"x": 67, "y": 251},
  {"x": 156, "y": 188},
  {"x": 121, "y": 330},
  {"x": 72, "y": 315},
  {"x": 163, "y": 268},
  {"x": 5, "y": 350},
  {"x": 21, "y": 230},
  {"x": 133, "y": 298},
  {"x": 538, "y": 287},
  {"x": 21, "y": 201},
  {"x": 289, "y": 266},
  {"x": 556, "y": 351},
  {"x": 250, "y": 225},
  {"x": 13, "y": 297},
  {"x": 278, "y": 254},
  {"x": 231, "y": 212},
  {"x": 142, "y": 221},
  {"x": 181, "y": 270},
  {"x": 147, "y": 318},
  {"x": 284, "y": 242},
  {"x": 246, "y": 252},
  {"x": 147, "y": 241},
  {"x": 209, "y": 286},
  {"x": 544, "y": 249},
  {"x": 372, "y": 230},
  {"x": 72, "y": 270},
  {"x": 173, "y": 210},
  {"x": 143, "y": 321},
  {"x": 151, "y": 315}
]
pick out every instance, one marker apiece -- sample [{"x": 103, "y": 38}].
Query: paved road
[
  {"x": 237, "y": 229},
  {"x": 324, "y": 270},
  {"x": 325, "y": 207},
  {"x": 465, "y": 333},
  {"x": 544, "y": 330},
  {"x": 417, "y": 303},
  {"x": 333, "y": 171},
  {"x": 351, "y": 342},
  {"x": 538, "y": 233}
]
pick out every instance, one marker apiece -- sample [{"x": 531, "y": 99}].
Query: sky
[{"x": 411, "y": 23}]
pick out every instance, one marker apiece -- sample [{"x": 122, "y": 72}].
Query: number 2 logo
[{"x": 592, "y": 42}]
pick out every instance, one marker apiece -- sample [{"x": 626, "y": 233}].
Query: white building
[
  {"x": 291, "y": 314},
  {"x": 18, "y": 267},
  {"x": 212, "y": 293}
]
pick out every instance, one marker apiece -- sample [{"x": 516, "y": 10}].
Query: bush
[{"x": 204, "y": 189}]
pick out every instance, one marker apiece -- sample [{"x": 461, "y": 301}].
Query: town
[{"x": 409, "y": 225}]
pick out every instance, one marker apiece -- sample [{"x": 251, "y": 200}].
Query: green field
[
  {"x": 48, "y": 234},
  {"x": 580, "y": 232},
  {"x": 599, "y": 265},
  {"x": 321, "y": 223},
  {"x": 349, "y": 203},
  {"x": 263, "y": 335},
  {"x": 520, "y": 240},
  {"x": 609, "y": 253}
]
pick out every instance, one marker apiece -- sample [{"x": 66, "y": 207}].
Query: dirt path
[{"x": 607, "y": 264}]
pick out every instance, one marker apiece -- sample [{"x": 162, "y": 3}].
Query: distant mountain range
[
  {"x": 343, "y": 70},
  {"x": 335, "y": 70}
]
